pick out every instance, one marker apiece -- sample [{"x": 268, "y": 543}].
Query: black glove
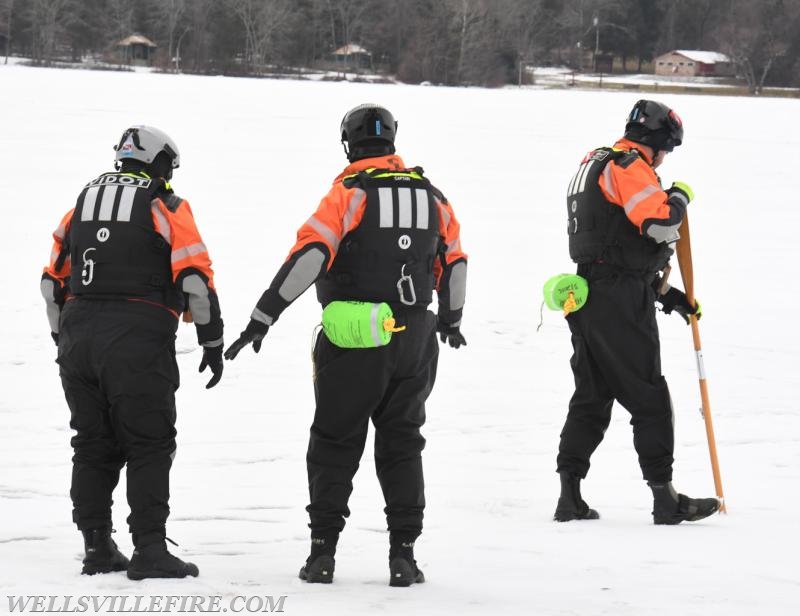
[
  {"x": 212, "y": 358},
  {"x": 253, "y": 333},
  {"x": 682, "y": 192},
  {"x": 54, "y": 336},
  {"x": 450, "y": 334},
  {"x": 676, "y": 300}
]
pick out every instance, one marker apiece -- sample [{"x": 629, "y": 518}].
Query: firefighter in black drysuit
[
  {"x": 127, "y": 260},
  {"x": 381, "y": 234},
  {"x": 622, "y": 227}
]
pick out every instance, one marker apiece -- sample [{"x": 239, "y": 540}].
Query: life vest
[
  {"x": 599, "y": 231},
  {"x": 114, "y": 246},
  {"x": 389, "y": 257}
]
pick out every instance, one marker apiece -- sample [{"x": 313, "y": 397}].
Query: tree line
[{"x": 451, "y": 42}]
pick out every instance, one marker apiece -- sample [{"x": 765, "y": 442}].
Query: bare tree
[
  {"x": 170, "y": 15},
  {"x": 526, "y": 25},
  {"x": 48, "y": 19},
  {"x": 263, "y": 21},
  {"x": 469, "y": 18},
  {"x": 119, "y": 19},
  {"x": 756, "y": 36},
  {"x": 9, "y": 13}
]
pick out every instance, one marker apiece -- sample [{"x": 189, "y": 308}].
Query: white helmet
[{"x": 144, "y": 143}]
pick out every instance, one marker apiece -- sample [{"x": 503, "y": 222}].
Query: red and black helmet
[{"x": 654, "y": 124}]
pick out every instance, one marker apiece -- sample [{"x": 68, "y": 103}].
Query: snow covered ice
[{"x": 256, "y": 157}]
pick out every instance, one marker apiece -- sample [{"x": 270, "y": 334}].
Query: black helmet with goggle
[{"x": 654, "y": 124}]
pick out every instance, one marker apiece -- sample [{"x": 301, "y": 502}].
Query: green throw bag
[
  {"x": 359, "y": 325},
  {"x": 567, "y": 292}
]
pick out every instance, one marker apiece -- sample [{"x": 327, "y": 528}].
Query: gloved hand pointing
[
  {"x": 254, "y": 333},
  {"x": 450, "y": 334},
  {"x": 676, "y": 300},
  {"x": 212, "y": 358}
]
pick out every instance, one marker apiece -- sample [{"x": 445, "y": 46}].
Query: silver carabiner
[
  {"x": 406, "y": 280},
  {"x": 87, "y": 273}
]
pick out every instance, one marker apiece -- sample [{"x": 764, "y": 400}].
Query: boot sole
[
  {"x": 155, "y": 573},
  {"x": 316, "y": 578},
  {"x": 676, "y": 518},
  {"x": 94, "y": 570},
  {"x": 405, "y": 583},
  {"x": 672, "y": 520},
  {"x": 568, "y": 516}
]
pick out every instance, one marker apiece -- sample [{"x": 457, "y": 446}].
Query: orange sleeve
[
  {"x": 635, "y": 188},
  {"x": 180, "y": 231},
  {"x": 55, "y": 270},
  {"x": 450, "y": 231}
]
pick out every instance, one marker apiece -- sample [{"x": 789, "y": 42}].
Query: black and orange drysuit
[
  {"x": 126, "y": 261},
  {"x": 383, "y": 233},
  {"x": 621, "y": 228}
]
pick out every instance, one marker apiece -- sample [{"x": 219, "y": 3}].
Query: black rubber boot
[
  {"x": 669, "y": 507},
  {"x": 153, "y": 560},
  {"x": 570, "y": 504},
  {"x": 320, "y": 564},
  {"x": 403, "y": 570},
  {"x": 102, "y": 554}
]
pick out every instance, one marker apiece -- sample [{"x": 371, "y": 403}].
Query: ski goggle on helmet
[
  {"x": 144, "y": 143},
  {"x": 655, "y": 125}
]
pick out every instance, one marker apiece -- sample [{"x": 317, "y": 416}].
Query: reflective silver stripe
[
  {"x": 212, "y": 343},
  {"x": 54, "y": 255},
  {"x": 373, "y": 321},
  {"x": 584, "y": 175},
  {"x": 454, "y": 245},
  {"x": 188, "y": 251},
  {"x": 61, "y": 232},
  {"x": 639, "y": 197},
  {"x": 126, "y": 204},
  {"x": 89, "y": 201},
  {"x": 445, "y": 213},
  {"x": 571, "y": 189},
  {"x": 48, "y": 289},
  {"x": 458, "y": 286},
  {"x": 680, "y": 197},
  {"x": 325, "y": 231},
  {"x": 261, "y": 317},
  {"x": 302, "y": 275},
  {"x": 355, "y": 202},
  {"x": 662, "y": 233},
  {"x": 387, "y": 207},
  {"x": 199, "y": 303},
  {"x": 107, "y": 203},
  {"x": 163, "y": 224},
  {"x": 608, "y": 182},
  {"x": 701, "y": 367},
  {"x": 422, "y": 208},
  {"x": 404, "y": 208}
]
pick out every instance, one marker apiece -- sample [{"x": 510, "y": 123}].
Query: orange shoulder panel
[
  {"x": 339, "y": 212},
  {"x": 635, "y": 188}
]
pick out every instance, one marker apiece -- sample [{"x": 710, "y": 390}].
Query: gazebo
[
  {"x": 353, "y": 56},
  {"x": 136, "y": 49}
]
